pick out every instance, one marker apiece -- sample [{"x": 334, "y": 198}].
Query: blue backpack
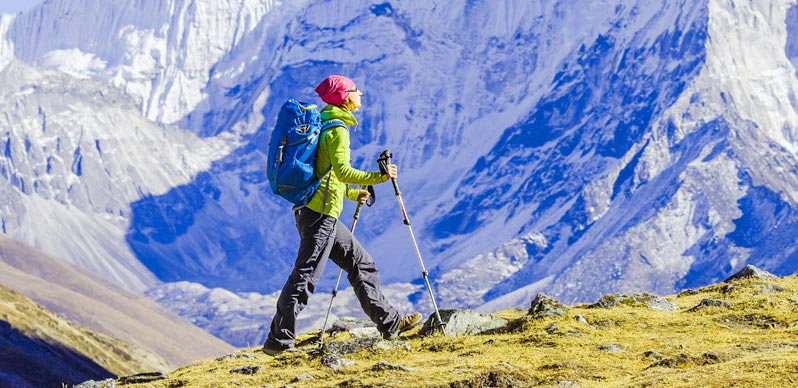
[{"x": 292, "y": 151}]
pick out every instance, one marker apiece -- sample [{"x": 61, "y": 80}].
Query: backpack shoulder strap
[
  {"x": 333, "y": 123},
  {"x": 325, "y": 126}
]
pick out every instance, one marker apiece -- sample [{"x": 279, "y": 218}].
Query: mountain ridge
[{"x": 96, "y": 304}]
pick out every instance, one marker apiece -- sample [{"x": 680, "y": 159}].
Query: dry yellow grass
[
  {"x": 751, "y": 343},
  {"x": 21, "y": 315}
]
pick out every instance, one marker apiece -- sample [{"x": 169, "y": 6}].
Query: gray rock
[
  {"x": 581, "y": 319},
  {"x": 108, "y": 383},
  {"x": 635, "y": 300},
  {"x": 301, "y": 378},
  {"x": 505, "y": 365},
  {"x": 141, "y": 378},
  {"x": 335, "y": 362},
  {"x": 247, "y": 370},
  {"x": 688, "y": 292},
  {"x": 365, "y": 332},
  {"x": 728, "y": 288},
  {"x": 654, "y": 355},
  {"x": 713, "y": 358},
  {"x": 235, "y": 356},
  {"x": 715, "y": 303},
  {"x": 552, "y": 328},
  {"x": 771, "y": 288},
  {"x": 463, "y": 322},
  {"x": 545, "y": 306},
  {"x": 383, "y": 366},
  {"x": 612, "y": 348},
  {"x": 357, "y": 328},
  {"x": 711, "y": 303},
  {"x": 751, "y": 272},
  {"x": 387, "y": 345}
]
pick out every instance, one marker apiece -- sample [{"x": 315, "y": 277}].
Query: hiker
[{"x": 321, "y": 234}]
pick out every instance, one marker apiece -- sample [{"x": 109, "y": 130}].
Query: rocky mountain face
[
  {"x": 618, "y": 146},
  {"x": 76, "y": 153}
]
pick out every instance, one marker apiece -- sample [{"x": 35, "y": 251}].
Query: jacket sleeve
[{"x": 340, "y": 156}]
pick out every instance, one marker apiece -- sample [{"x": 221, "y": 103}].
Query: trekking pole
[
  {"x": 369, "y": 202},
  {"x": 384, "y": 160}
]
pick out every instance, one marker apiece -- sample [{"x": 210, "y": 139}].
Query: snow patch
[{"x": 74, "y": 62}]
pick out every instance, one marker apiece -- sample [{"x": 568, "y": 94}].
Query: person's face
[{"x": 354, "y": 99}]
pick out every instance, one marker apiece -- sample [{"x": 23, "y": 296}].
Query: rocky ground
[{"x": 741, "y": 332}]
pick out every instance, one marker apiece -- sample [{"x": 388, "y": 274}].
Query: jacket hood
[{"x": 331, "y": 112}]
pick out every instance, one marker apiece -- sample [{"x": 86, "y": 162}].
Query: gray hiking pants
[{"x": 322, "y": 236}]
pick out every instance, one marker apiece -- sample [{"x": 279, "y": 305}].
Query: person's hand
[
  {"x": 363, "y": 196},
  {"x": 392, "y": 171}
]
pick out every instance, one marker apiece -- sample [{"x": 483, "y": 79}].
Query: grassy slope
[
  {"x": 44, "y": 349},
  {"x": 94, "y": 303},
  {"x": 753, "y": 343}
]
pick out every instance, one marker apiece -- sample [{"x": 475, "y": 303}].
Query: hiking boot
[
  {"x": 274, "y": 348},
  {"x": 407, "y": 322}
]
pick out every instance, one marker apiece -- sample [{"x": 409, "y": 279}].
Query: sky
[{"x": 14, "y": 6}]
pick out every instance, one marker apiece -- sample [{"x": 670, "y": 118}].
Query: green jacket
[{"x": 333, "y": 155}]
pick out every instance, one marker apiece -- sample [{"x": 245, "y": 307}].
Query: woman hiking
[{"x": 322, "y": 236}]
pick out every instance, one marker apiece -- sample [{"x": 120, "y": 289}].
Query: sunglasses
[{"x": 353, "y": 90}]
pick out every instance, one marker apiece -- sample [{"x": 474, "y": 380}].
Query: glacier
[{"x": 576, "y": 149}]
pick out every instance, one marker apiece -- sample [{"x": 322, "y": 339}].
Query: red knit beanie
[{"x": 335, "y": 89}]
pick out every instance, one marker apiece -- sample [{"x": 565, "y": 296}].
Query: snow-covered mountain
[
  {"x": 75, "y": 154},
  {"x": 576, "y": 148}
]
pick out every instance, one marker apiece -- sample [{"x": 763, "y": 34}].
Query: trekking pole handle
[
  {"x": 368, "y": 202},
  {"x": 384, "y": 160}
]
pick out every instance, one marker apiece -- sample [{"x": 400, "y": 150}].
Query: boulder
[
  {"x": 711, "y": 303},
  {"x": 383, "y": 366},
  {"x": 107, "y": 383},
  {"x": 247, "y": 370},
  {"x": 141, "y": 378},
  {"x": 357, "y": 328},
  {"x": 612, "y": 348},
  {"x": 751, "y": 272},
  {"x": 635, "y": 300},
  {"x": 335, "y": 362},
  {"x": 545, "y": 306},
  {"x": 463, "y": 322},
  {"x": 302, "y": 377},
  {"x": 770, "y": 289}
]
